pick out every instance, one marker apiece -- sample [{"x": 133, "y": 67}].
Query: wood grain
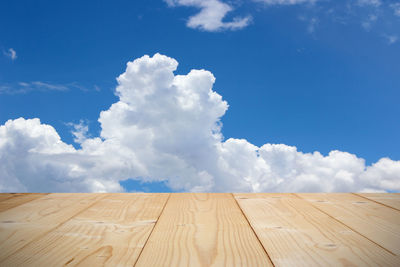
[
  {"x": 199, "y": 230},
  {"x": 372, "y": 220},
  {"x": 18, "y": 199},
  {"x": 389, "y": 199},
  {"x": 202, "y": 230},
  {"x": 110, "y": 233},
  {"x": 294, "y": 233},
  {"x": 24, "y": 224},
  {"x": 4, "y": 196}
]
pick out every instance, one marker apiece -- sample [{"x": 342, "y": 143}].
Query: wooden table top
[{"x": 199, "y": 229}]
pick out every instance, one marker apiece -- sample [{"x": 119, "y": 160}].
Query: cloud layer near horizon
[{"x": 167, "y": 127}]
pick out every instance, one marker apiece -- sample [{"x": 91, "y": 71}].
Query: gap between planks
[
  {"x": 347, "y": 226},
  {"x": 110, "y": 232},
  {"x": 152, "y": 229},
  {"x": 372, "y": 220},
  {"x": 296, "y": 233},
  {"x": 203, "y": 229},
  {"x": 376, "y": 201},
  {"x": 247, "y": 220},
  {"x": 241, "y": 210},
  {"x": 6, "y": 256}
]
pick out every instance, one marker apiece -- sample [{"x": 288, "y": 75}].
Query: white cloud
[
  {"x": 26, "y": 87},
  {"x": 211, "y": 15},
  {"x": 213, "y": 12},
  {"x": 80, "y": 131},
  {"x": 46, "y": 86},
  {"x": 167, "y": 127},
  {"x": 11, "y": 53}
]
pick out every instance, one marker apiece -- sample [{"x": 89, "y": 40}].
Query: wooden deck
[{"x": 186, "y": 229}]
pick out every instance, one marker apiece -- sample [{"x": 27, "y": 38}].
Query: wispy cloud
[
  {"x": 46, "y": 86},
  {"x": 26, "y": 87},
  {"x": 369, "y": 2},
  {"x": 367, "y": 24},
  {"x": 286, "y": 2},
  {"x": 11, "y": 53},
  {"x": 396, "y": 8},
  {"x": 376, "y": 15},
  {"x": 391, "y": 39},
  {"x": 312, "y": 23}
]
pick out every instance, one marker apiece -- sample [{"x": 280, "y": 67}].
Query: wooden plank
[
  {"x": 294, "y": 233},
  {"x": 26, "y": 223},
  {"x": 372, "y": 220},
  {"x": 4, "y": 196},
  {"x": 18, "y": 199},
  {"x": 110, "y": 233},
  {"x": 202, "y": 230},
  {"x": 389, "y": 199}
]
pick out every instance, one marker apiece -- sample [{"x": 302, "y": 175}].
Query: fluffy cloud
[
  {"x": 167, "y": 127},
  {"x": 211, "y": 15}
]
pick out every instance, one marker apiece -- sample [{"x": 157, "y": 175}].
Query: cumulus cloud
[
  {"x": 167, "y": 127},
  {"x": 80, "y": 131},
  {"x": 11, "y": 53},
  {"x": 211, "y": 15}
]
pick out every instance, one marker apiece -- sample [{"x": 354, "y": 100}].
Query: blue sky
[{"x": 317, "y": 75}]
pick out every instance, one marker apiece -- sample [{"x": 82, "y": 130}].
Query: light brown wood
[
  {"x": 376, "y": 222},
  {"x": 26, "y": 223},
  {"x": 112, "y": 232},
  {"x": 202, "y": 230},
  {"x": 18, "y": 199},
  {"x": 389, "y": 199},
  {"x": 4, "y": 196},
  {"x": 199, "y": 230},
  {"x": 294, "y": 233}
]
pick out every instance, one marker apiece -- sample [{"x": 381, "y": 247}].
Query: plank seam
[
  {"x": 380, "y": 203},
  {"x": 252, "y": 229},
  {"x": 54, "y": 228},
  {"x": 345, "y": 225},
  {"x": 151, "y": 232}
]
